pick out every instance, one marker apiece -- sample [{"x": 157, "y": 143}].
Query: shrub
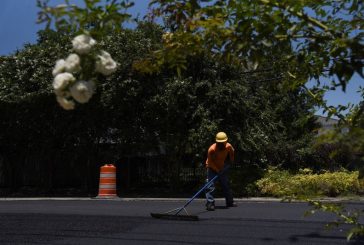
[
  {"x": 243, "y": 180},
  {"x": 282, "y": 183}
]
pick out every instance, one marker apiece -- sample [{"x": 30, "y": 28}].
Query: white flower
[
  {"x": 105, "y": 64},
  {"x": 82, "y": 44},
  {"x": 66, "y": 103},
  {"x": 62, "y": 93},
  {"x": 73, "y": 63},
  {"x": 82, "y": 91},
  {"x": 62, "y": 80},
  {"x": 59, "y": 68}
]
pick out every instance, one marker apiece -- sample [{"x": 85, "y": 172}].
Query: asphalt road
[{"x": 121, "y": 221}]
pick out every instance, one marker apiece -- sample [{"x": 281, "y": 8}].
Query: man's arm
[{"x": 231, "y": 154}]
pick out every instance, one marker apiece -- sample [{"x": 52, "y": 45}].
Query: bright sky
[{"x": 18, "y": 26}]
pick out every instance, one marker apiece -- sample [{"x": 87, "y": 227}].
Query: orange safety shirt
[{"x": 216, "y": 158}]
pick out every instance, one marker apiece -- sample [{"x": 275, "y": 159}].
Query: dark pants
[{"x": 224, "y": 181}]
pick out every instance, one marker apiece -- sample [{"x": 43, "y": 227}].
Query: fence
[
  {"x": 77, "y": 176},
  {"x": 143, "y": 174},
  {"x": 154, "y": 176}
]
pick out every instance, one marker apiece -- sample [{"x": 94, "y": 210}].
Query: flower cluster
[{"x": 67, "y": 87}]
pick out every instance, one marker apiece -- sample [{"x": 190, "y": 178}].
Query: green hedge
[{"x": 281, "y": 183}]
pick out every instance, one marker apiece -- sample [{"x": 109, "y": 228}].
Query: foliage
[
  {"x": 97, "y": 18},
  {"x": 330, "y": 156},
  {"x": 27, "y": 73},
  {"x": 142, "y": 114},
  {"x": 325, "y": 32},
  {"x": 323, "y": 37},
  {"x": 253, "y": 115},
  {"x": 281, "y": 183},
  {"x": 344, "y": 216},
  {"x": 347, "y": 140},
  {"x": 33, "y": 128},
  {"x": 320, "y": 38}
]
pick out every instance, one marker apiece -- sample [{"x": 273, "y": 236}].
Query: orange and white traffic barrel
[{"x": 107, "y": 184}]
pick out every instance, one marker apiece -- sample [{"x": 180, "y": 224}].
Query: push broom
[{"x": 174, "y": 214}]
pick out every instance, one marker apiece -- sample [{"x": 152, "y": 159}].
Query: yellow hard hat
[{"x": 221, "y": 137}]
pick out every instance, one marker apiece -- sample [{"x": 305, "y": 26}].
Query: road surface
[{"x": 128, "y": 221}]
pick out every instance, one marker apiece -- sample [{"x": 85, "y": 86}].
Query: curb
[{"x": 238, "y": 200}]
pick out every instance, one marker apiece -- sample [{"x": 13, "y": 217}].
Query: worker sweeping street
[{"x": 219, "y": 155}]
